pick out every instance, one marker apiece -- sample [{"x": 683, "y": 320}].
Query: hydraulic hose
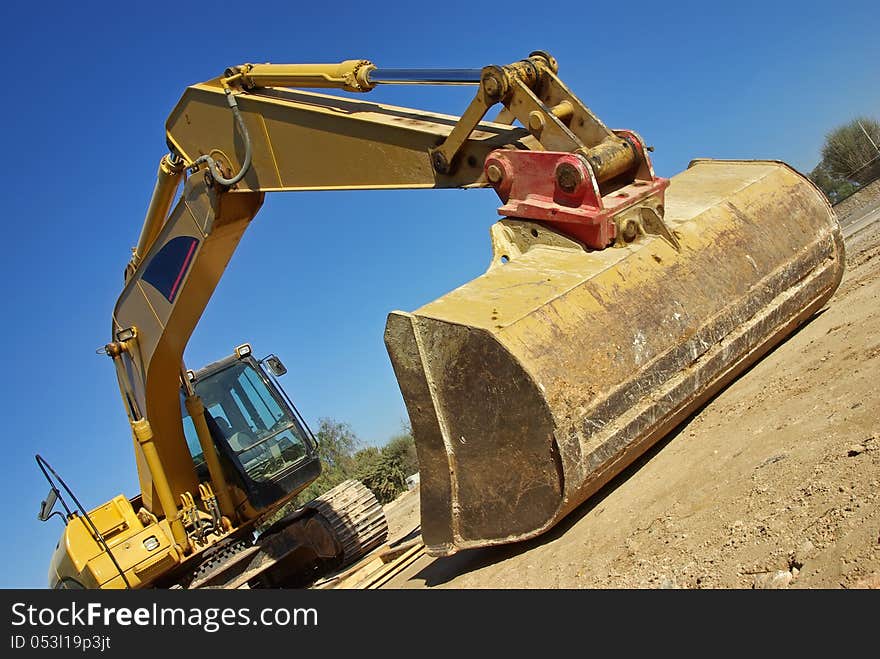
[{"x": 246, "y": 163}]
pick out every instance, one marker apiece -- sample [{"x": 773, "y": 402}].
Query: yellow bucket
[{"x": 533, "y": 385}]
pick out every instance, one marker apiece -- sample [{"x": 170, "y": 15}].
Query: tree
[
  {"x": 401, "y": 449},
  {"x": 846, "y": 152},
  {"x": 385, "y": 470},
  {"x": 835, "y": 188},
  {"x": 379, "y": 474},
  {"x": 337, "y": 443},
  {"x": 851, "y": 146}
]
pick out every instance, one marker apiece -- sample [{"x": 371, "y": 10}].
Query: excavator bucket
[{"x": 533, "y": 385}]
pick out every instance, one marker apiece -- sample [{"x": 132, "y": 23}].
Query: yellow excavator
[{"x": 615, "y": 304}]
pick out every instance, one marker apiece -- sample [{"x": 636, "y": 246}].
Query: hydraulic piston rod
[{"x": 425, "y": 76}]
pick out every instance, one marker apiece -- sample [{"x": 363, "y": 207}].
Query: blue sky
[{"x": 87, "y": 91}]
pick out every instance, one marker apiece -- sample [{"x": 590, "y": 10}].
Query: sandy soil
[{"x": 775, "y": 483}]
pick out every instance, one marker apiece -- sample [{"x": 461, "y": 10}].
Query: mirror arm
[{"x": 60, "y": 514}]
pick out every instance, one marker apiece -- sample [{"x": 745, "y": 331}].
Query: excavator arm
[
  {"x": 531, "y": 386},
  {"x": 249, "y": 132}
]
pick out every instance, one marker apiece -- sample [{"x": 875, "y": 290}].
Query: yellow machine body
[
  {"x": 613, "y": 307},
  {"x": 142, "y": 551},
  {"x": 533, "y": 385}
]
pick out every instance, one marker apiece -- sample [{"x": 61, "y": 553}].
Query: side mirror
[
  {"x": 47, "y": 505},
  {"x": 278, "y": 369}
]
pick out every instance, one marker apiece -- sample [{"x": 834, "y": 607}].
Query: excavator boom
[{"x": 292, "y": 140}]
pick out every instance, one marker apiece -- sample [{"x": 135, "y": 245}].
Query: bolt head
[
  {"x": 492, "y": 86},
  {"x": 568, "y": 177},
  {"x": 494, "y": 173},
  {"x": 441, "y": 165},
  {"x": 536, "y": 121}
]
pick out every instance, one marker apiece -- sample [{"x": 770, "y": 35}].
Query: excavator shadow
[{"x": 444, "y": 569}]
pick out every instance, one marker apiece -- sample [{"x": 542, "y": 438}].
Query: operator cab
[{"x": 258, "y": 432}]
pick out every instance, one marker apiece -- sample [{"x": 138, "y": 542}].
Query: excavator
[{"x": 615, "y": 304}]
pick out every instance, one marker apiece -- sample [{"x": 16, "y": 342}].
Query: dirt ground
[{"x": 775, "y": 483}]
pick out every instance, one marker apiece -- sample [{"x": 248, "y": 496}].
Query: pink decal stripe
[{"x": 183, "y": 269}]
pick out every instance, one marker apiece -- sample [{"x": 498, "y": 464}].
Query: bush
[
  {"x": 835, "y": 188},
  {"x": 846, "y": 152},
  {"x": 383, "y": 470},
  {"x": 337, "y": 443},
  {"x": 851, "y": 146}
]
